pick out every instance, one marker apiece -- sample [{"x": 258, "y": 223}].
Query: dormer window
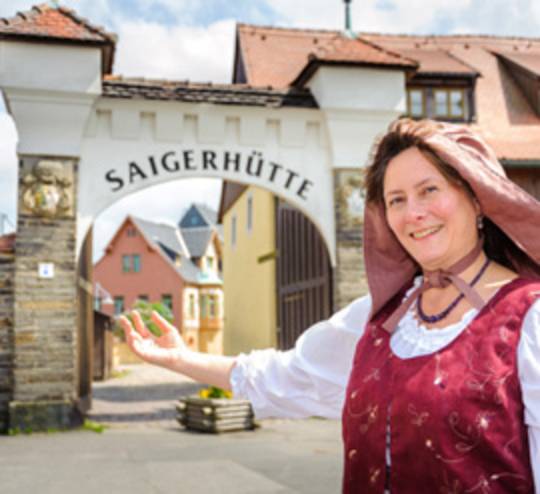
[
  {"x": 440, "y": 103},
  {"x": 416, "y": 105},
  {"x": 450, "y": 103}
]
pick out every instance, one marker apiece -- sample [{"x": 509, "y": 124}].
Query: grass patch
[
  {"x": 90, "y": 425},
  {"x": 119, "y": 374}
]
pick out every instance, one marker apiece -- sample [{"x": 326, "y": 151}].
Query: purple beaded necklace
[{"x": 441, "y": 315}]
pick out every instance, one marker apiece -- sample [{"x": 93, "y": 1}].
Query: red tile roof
[
  {"x": 275, "y": 56},
  {"x": 58, "y": 23},
  {"x": 437, "y": 61},
  {"x": 61, "y": 24},
  {"x": 341, "y": 50}
]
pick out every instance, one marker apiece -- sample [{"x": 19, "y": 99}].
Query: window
[
  {"x": 442, "y": 103},
  {"x": 416, "y": 105},
  {"x": 118, "y": 305},
  {"x": 210, "y": 263},
  {"x": 97, "y": 304},
  {"x": 233, "y": 231},
  {"x": 166, "y": 300},
  {"x": 131, "y": 232},
  {"x": 126, "y": 264},
  {"x": 143, "y": 298},
  {"x": 212, "y": 306},
  {"x": 450, "y": 103},
  {"x": 203, "y": 306},
  {"x": 136, "y": 263},
  {"x": 457, "y": 103},
  {"x": 191, "y": 306},
  {"x": 249, "y": 213}
]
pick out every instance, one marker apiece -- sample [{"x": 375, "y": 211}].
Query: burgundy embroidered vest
[{"x": 455, "y": 416}]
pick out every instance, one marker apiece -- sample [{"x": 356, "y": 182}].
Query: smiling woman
[{"x": 435, "y": 374}]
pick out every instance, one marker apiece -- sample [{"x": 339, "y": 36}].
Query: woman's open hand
[{"x": 165, "y": 350}]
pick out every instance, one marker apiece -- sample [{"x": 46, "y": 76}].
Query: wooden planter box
[{"x": 215, "y": 414}]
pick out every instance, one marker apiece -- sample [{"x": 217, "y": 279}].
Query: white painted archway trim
[{"x": 129, "y": 145}]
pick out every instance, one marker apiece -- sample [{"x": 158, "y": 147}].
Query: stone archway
[{"x": 87, "y": 139}]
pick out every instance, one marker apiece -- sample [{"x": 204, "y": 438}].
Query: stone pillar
[
  {"x": 349, "y": 276},
  {"x": 7, "y": 271},
  {"x": 45, "y": 312}
]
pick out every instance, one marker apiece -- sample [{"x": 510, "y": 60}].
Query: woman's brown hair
[{"x": 405, "y": 134}]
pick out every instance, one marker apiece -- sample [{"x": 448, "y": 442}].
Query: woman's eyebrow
[{"x": 416, "y": 186}]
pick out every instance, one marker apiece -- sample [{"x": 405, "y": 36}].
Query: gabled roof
[
  {"x": 167, "y": 235},
  {"x": 61, "y": 25},
  {"x": 278, "y": 56},
  {"x": 341, "y": 50}
]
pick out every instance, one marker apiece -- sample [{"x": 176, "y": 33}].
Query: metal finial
[{"x": 348, "y": 23}]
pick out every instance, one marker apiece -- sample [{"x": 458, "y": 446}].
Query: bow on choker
[{"x": 441, "y": 279}]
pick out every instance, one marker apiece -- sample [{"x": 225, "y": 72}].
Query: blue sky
[{"x": 194, "y": 39}]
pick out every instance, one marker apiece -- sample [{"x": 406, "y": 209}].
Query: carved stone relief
[{"x": 47, "y": 190}]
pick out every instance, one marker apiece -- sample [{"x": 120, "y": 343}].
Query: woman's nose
[{"x": 415, "y": 211}]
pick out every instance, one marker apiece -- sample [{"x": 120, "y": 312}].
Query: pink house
[
  {"x": 178, "y": 266},
  {"x": 133, "y": 267}
]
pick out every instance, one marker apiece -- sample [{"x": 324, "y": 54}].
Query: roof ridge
[
  {"x": 463, "y": 36},
  {"x": 72, "y": 14},
  {"x": 290, "y": 29},
  {"x": 397, "y": 35}
]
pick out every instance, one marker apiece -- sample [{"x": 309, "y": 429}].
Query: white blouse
[{"x": 310, "y": 379}]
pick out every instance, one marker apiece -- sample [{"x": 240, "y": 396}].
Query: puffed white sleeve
[
  {"x": 529, "y": 376},
  {"x": 308, "y": 380}
]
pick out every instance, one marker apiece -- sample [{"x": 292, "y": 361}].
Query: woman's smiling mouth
[{"x": 420, "y": 234}]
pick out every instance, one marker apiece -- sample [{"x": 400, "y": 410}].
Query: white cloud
[{"x": 180, "y": 52}]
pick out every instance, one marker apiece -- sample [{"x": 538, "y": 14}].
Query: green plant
[
  {"x": 90, "y": 425},
  {"x": 145, "y": 310},
  {"x": 214, "y": 392}
]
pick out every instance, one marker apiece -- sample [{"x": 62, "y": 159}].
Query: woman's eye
[{"x": 394, "y": 201}]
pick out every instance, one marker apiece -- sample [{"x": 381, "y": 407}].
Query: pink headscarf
[{"x": 389, "y": 267}]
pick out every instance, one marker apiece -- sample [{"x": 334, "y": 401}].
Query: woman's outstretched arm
[{"x": 169, "y": 351}]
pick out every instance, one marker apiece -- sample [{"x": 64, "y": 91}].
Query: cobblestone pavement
[{"x": 145, "y": 396}]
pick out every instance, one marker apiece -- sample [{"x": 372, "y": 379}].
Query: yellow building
[{"x": 249, "y": 271}]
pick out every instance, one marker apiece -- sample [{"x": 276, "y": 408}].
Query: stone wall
[
  {"x": 45, "y": 318},
  {"x": 7, "y": 272},
  {"x": 349, "y": 276}
]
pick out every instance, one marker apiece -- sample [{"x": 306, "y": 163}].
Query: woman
[{"x": 443, "y": 389}]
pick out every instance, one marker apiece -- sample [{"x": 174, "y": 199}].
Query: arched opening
[{"x": 305, "y": 291}]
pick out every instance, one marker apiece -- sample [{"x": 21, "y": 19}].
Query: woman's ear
[{"x": 477, "y": 207}]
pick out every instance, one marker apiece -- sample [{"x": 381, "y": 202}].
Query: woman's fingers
[
  {"x": 130, "y": 334},
  {"x": 162, "y": 323},
  {"x": 140, "y": 326}
]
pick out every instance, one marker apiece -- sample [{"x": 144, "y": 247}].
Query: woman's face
[{"x": 433, "y": 219}]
